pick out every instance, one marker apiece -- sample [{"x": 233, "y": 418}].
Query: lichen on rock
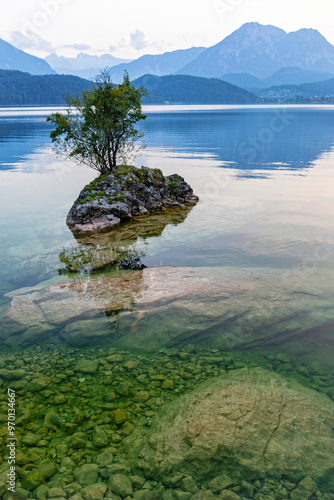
[{"x": 127, "y": 192}]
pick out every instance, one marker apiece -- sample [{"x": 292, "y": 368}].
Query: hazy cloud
[
  {"x": 30, "y": 40},
  {"x": 76, "y": 46},
  {"x": 138, "y": 40}
]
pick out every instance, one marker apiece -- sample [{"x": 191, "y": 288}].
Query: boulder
[
  {"x": 129, "y": 191},
  {"x": 246, "y": 425}
]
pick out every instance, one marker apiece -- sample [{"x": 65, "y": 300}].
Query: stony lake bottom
[{"x": 190, "y": 353}]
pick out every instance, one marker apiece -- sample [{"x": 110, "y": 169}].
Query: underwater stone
[
  {"x": 121, "y": 485},
  {"x": 87, "y": 366},
  {"x": 86, "y": 474},
  {"x": 241, "y": 425}
]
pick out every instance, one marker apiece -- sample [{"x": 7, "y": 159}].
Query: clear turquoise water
[
  {"x": 244, "y": 278},
  {"x": 264, "y": 176}
]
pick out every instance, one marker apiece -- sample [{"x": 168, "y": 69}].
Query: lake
[{"x": 244, "y": 278}]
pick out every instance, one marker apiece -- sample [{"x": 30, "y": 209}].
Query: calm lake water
[{"x": 249, "y": 270}]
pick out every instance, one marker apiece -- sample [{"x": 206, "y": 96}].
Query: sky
[{"x": 131, "y": 28}]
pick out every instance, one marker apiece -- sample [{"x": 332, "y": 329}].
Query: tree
[{"x": 98, "y": 128}]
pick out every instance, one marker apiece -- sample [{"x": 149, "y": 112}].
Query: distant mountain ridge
[
  {"x": 15, "y": 59},
  {"x": 284, "y": 76},
  {"x": 185, "y": 89},
  {"x": 299, "y": 93},
  {"x": 160, "y": 64},
  {"x": 262, "y": 50},
  {"x": 83, "y": 65}
]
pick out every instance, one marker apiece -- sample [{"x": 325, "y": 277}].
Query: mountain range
[
  {"x": 13, "y": 58},
  {"x": 263, "y": 50},
  {"x": 254, "y": 57},
  {"x": 83, "y": 65},
  {"x": 284, "y": 76},
  {"x": 160, "y": 64}
]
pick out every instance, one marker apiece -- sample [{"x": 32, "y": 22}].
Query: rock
[
  {"x": 41, "y": 492},
  {"x": 59, "y": 400},
  {"x": 109, "y": 396},
  {"x": 128, "y": 191},
  {"x": 247, "y": 488},
  {"x": 219, "y": 483},
  {"x": 12, "y": 374},
  {"x": 120, "y": 484},
  {"x": 188, "y": 484},
  {"x": 308, "y": 484},
  {"x": 120, "y": 416},
  {"x": 137, "y": 481},
  {"x": 241, "y": 425},
  {"x": 168, "y": 384},
  {"x": 87, "y": 366},
  {"x": 229, "y": 495},
  {"x": 86, "y": 474},
  {"x": 21, "y": 458},
  {"x": 47, "y": 468},
  {"x": 304, "y": 490},
  {"x": 56, "y": 492},
  {"x": 78, "y": 442},
  {"x": 104, "y": 459},
  {"x": 127, "y": 429},
  {"x": 94, "y": 491},
  {"x": 203, "y": 495},
  {"x": 31, "y": 439},
  {"x": 131, "y": 365},
  {"x": 142, "y": 396},
  {"x": 38, "y": 384},
  {"x": 123, "y": 388},
  {"x": 99, "y": 437},
  {"x": 32, "y": 480},
  {"x": 182, "y": 495}
]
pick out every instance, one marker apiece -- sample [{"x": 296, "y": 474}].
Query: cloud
[
  {"x": 30, "y": 40},
  {"x": 138, "y": 40},
  {"x": 76, "y": 46}
]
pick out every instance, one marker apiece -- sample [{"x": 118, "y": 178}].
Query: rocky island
[{"x": 127, "y": 192}]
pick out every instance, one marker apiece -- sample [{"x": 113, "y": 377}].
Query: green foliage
[
  {"x": 186, "y": 89},
  {"x": 19, "y": 89},
  {"x": 98, "y": 128},
  {"x": 172, "y": 186}
]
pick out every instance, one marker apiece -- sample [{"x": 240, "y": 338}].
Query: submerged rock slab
[
  {"x": 129, "y": 191},
  {"x": 249, "y": 424},
  {"x": 161, "y": 307}
]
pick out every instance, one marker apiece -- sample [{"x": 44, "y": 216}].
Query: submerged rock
[
  {"x": 129, "y": 191},
  {"x": 247, "y": 425}
]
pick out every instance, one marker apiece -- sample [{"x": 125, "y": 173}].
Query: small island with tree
[{"x": 99, "y": 130}]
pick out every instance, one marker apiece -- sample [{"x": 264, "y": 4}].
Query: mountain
[
  {"x": 18, "y": 88},
  {"x": 295, "y": 76},
  {"x": 284, "y": 76},
  {"x": 250, "y": 49},
  {"x": 243, "y": 80},
  {"x": 83, "y": 65},
  {"x": 298, "y": 93},
  {"x": 308, "y": 49},
  {"x": 13, "y": 58},
  {"x": 160, "y": 64},
  {"x": 184, "y": 89},
  {"x": 261, "y": 51}
]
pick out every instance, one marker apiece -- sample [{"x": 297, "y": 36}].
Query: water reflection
[
  {"x": 121, "y": 249},
  {"x": 247, "y": 139}
]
